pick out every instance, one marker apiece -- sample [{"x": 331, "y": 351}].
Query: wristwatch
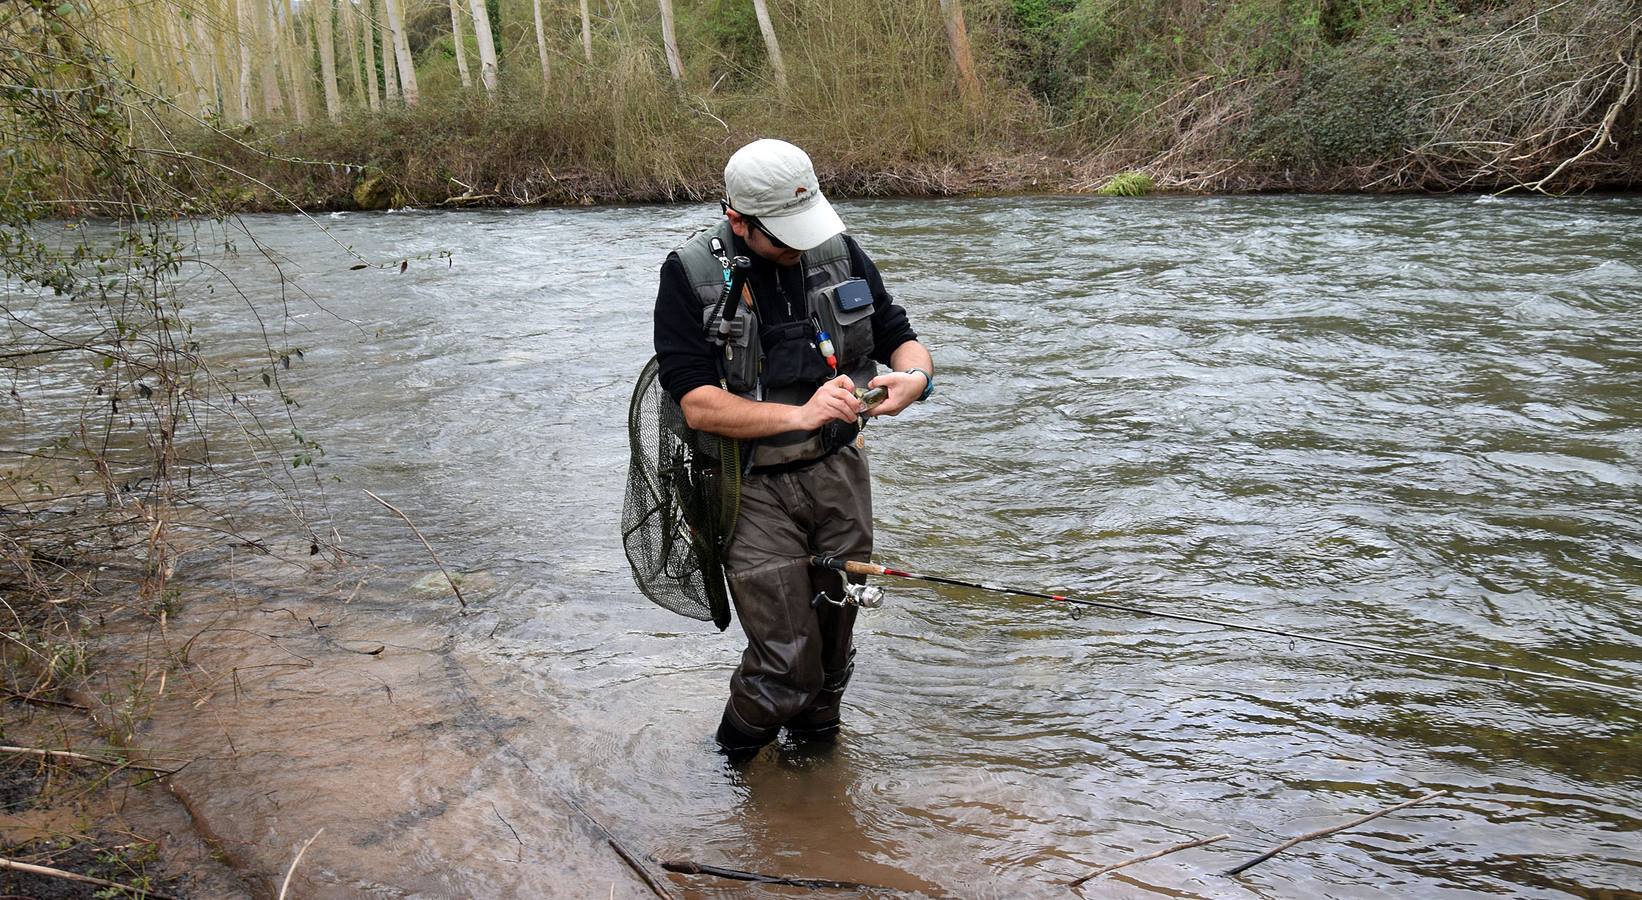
[{"x": 929, "y": 383}]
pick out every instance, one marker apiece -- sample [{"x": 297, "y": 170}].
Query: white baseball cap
[{"x": 775, "y": 181}]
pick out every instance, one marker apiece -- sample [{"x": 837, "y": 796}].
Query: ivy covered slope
[{"x": 1344, "y": 94}]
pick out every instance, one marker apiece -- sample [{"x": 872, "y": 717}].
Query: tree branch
[{"x": 1325, "y": 832}]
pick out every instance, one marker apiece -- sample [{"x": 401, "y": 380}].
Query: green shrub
[{"x": 1128, "y": 184}]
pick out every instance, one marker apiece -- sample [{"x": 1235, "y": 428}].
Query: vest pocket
[
  {"x": 790, "y": 357},
  {"x": 845, "y": 311},
  {"x": 740, "y": 365}
]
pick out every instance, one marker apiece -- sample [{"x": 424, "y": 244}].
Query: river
[{"x": 1409, "y": 421}]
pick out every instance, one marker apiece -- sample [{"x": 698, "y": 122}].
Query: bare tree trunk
[
  {"x": 771, "y": 46},
  {"x": 218, "y": 28},
  {"x": 188, "y": 60},
  {"x": 670, "y": 41},
  {"x": 211, "y": 54},
  {"x": 390, "y": 78},
  {"x": 195, "y": 57},
  {"x": 141, "y": 54},
  {"x": 957, "y": 36},
  {"x": 367, "y": 22},
  {"x": 267, "y": 40},
  {"x": 295, "y": 62},
  {"x": 461, "y": 44},
  {"x": 244, "y": 28},
  {"x": 587, "y": 34},
  {"x": 323, "y": 10},
  {"x": 487, "y": 46},
  {"x": 350, "y": 35},
  {"x": 541, "y": 43},
  {"x": 156, "y": 34},
  {"x": 401, "y": 52}
]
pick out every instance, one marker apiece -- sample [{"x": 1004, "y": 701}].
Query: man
[{"x": 782, "y": 376}]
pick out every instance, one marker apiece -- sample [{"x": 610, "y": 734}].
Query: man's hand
[
  {"x": 834, "y": 400},
  {"x": 904, "y": 389}
]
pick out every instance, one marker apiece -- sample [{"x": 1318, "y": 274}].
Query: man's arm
[
  {"x": 687, "y": 359},
  {"x": 715, "y": 410},
  {"x": 905, "y": 387}
]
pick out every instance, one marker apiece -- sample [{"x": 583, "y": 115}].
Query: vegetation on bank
[
  {"x": 640, "y": 100},
  {"x": 108, "y": 422},
  {"x": 1347, "y": 94}
]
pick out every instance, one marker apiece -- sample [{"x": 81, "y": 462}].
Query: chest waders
[{"x": 683, "y": 485}]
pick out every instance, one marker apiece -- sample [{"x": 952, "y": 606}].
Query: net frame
[{"x": 682, "y": 501}]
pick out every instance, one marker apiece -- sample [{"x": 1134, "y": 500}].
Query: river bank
[
  {"x": 1228, "y": 97},
  {"x": 1061, "y": 96},
  {"x": 510, "y": 165},
  {"x": 97, "y": 809}
]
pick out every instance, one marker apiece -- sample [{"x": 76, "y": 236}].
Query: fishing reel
[{"x": 863, "y": 596}]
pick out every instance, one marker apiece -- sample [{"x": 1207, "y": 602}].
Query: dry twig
[
  {"x": 425, "y": 543},
  {"x": 1140, "y": 859},
  {"x": 1325, "y": 832},
  {"x": 689, "y": 867},
  {"x": 292, "y": 871},
  {"x": 49, "y": 872},
  {"x": 65, "y": 754}
]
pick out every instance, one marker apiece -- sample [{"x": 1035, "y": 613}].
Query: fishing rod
[{"x": 862, "y": 568}]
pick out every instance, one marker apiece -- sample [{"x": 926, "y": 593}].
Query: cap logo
[{"x": 799, "y": 190}]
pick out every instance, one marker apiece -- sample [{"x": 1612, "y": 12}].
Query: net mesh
[{"x": 683, "y": 494}]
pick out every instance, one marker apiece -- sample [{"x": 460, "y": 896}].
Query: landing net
[{"x": 683, "y": 495}]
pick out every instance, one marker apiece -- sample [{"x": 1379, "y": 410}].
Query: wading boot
[
  {"x": 820, "y": 722},
  {"x": 737, "y": 744},
  {"x": 819, "y": 733}
]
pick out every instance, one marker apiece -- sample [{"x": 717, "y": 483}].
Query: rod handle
[{"x": 849, "y": 566}]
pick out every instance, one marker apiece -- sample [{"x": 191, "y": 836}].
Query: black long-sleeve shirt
[{"x": 688, "y": 361}]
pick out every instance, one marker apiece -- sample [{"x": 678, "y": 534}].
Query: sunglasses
[
  {"x": 775, "y": 241},
  {"x": 725, "y": 206}
]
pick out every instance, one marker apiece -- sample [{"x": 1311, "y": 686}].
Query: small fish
[{"x": 871, "y": 397}]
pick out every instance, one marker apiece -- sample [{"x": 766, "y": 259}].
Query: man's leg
[
  {"x": 841, "y": 492},
  {"x": 769, "y": 574}
]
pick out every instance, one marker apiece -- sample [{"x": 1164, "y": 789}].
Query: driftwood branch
[
  {"x": 286, "y": 884},
  {"x": 418, "y": 533},
  {"x": 42, "y": 701},
  {"x": 1604, "y": 132},
  {"x": 1325, "y": 832},
  {"x": 627, "y": 856},
  {"x": 688, "y": 867},
  {"x": 49, "y": 872},
  {"x": 1140, "y": 859},
  {"x": 65, "y": 754}
]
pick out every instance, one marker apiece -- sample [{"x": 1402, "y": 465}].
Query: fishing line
[{"x": 862, "y": 568}]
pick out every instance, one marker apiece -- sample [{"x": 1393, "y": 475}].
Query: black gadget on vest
[{"x": 852, "y": 295}]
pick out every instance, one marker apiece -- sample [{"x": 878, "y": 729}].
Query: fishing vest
[{"x": 791, "y": 368}]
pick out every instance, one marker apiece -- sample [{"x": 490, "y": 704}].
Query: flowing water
[{"x": 1416, "y": 422}]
